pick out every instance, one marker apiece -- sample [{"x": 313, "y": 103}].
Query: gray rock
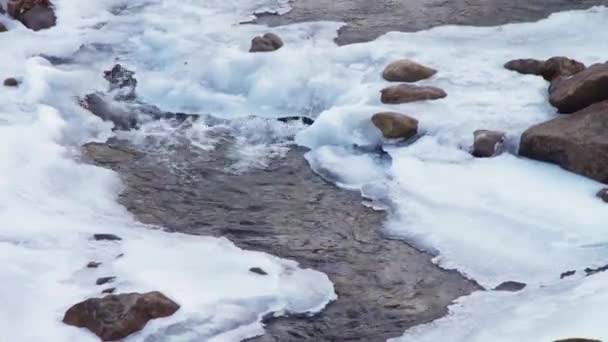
[
  {"x": 11, "y": 82},
  {"x": 603, "y": 195},
  {"x": 39, "y": 18},
  {"x": 106, "y": 237},
  {"x": 266, "y": 43},
  {"x": 105, "y": 280},
  {"x": 510, "y": 286},
  {"x": 550, "y": 69},
  {"x": 577, "y": 142}
]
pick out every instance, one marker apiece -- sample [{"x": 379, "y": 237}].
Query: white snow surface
[{"x": 495, "y": 220}]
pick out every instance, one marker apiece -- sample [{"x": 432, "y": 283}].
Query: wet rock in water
[
  {"x": 258, "y": 270},
  {"x": 603, "y": 194},
  {"x": 122, "y": 80},
  {"x": 303, "y": 119},
  {"x": 550, "y": 69},
  {"x": 266, "y": 43},
  {"x": 115, "y": 317},
  {"x": 11, "y": 82},
  {"x": 567, "y": 274},
  {"x": 93, "y": 264},
  {"x": 488, "y": 143},
  {"x": 510, "y": 286},
  {"x": 105, "y": 280},
  {"x": 407, "y": 71},
  {"x": 405, "y": 93},
  {"x": 581, "y": 90},
  {"x": 34, "y": 14},
  {"x": 561, "y": 67},
  {"x": 577, "y": 340},
  {"x": 2, "y": 27},
  {"x": 109, "y": 290},
  {"x": 106, "y": 237},
  {"x": 577, "y": 142},
  {"x": 395, "y": 125}
]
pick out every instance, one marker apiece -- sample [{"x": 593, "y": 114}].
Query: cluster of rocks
[
  {"x": 34, "y": 14},
  {"x": 393, "y": 125},
  {"x": 577, "y": 139}
]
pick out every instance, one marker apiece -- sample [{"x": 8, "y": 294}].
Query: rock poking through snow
[
  {"x": 115, "y": 317},
  {"x": 405, "y": 93},
  {"x": 577, "y": 142},
  {"x": 510, "y": 286},
  {"x": 395, "y": 125},
  {"x": 581, "y": 90},
  {"x": 488, "y": 143},
  {"x": 407, "y": 71},
  {"x": 577, "y": 340},
  {"x": 11, "y": 82},
  {"x": 266, "y": 43},
  {"x": 2, "y": 27},
  {"x": 34, "y": 14}
]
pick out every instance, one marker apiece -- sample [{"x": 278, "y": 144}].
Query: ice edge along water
[{"x": 495, "y": 220}]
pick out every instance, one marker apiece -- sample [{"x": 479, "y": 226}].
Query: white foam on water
[{"x": 51, "y": 204}]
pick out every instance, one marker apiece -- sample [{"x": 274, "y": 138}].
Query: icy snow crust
[{"x": 494, "y": 220}]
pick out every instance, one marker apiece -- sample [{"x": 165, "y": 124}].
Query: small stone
[
  {"x": 258, "y": 270},
  {"x": 526, "y": 66},
  {"x": 266, "y": 43},
  {"x": 407, "y": 71},
  {"x": 510, "y": 286},
  {"x": 106, "y": 237},
  {"x": 603, "y": 195},
  {"x": 115, "y": 317},
  {"x": 405, "y": 93},
  {"x": 105, "y": 280},
  {"x": 109, "y": 290},
  {"x": 487, "y": 143},
  {"x": 567, "y": 274},
  {"x": 93, "y": 264},
  {"x": 39, "y": 18},
  {"x": 395, "y": 125},
  {"x": 2, "y": 27},
  {"x": 11, "y": 82}
]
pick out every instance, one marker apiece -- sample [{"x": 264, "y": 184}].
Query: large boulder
[
  {"x": 550, "y": 69},
  {"x": 115, "y": 317},
  {"x": 266, "y": 43},
  {"x": 488, "y": 143},
  {"x": 405, "y": 93},
  {"x": 395, "y": 125},
  {"x": 407, "y": 71},
  {"x": 34, "y": 14},
  {"x": 577, "y": 142},
  {"x": 585, "y": 88}
]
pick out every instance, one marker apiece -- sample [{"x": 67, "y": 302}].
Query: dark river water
[{"x": 368, "y": 19}]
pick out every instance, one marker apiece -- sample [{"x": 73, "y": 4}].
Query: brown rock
[
  {"x": 266, "y": 43},
  {"x": 488, "y": 143},
  {"x": 555, "y": 67},
  {"x": 2, "y": 27},
  {"x": 581, "y": 90},
  {"x": 34, "y": 14},
  {"x": 405, "y": 93},
  {"x": 603, "y": 194},
  {"x": 407, "y": 71},
  {"x": 11, "y": 82},
  {"x": 577, "y": 142},
  {"x": 395, "y": 125},
  {"x": 550, "y": 69},
  {"x": 115, "y": 317},
  {"x": 526, "y": 66}
]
